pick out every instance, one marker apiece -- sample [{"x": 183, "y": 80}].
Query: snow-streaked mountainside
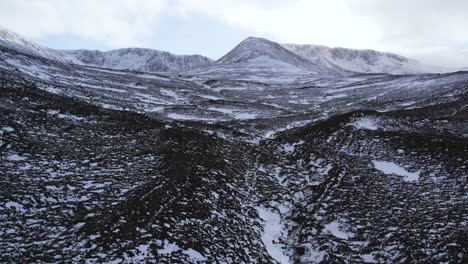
[
  {"x": 366, "y": 61},
  {"x": 262, "y": 53},
  {"x": 124, "y": 59},
  {"x": 136, "y": 59}
]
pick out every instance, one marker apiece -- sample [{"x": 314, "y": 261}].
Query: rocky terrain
[{"x": 260, "y": 157}]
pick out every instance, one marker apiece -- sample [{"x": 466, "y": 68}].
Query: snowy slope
[
  {"x": 368, "y": 61},
  {"x": 136, "y": 59},
  {"x": 12, "y": 40}
]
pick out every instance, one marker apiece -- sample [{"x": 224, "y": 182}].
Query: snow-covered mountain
[
  {"x": 368, "y": 61},
  {"x": 136, "y": 59},
  {"x": 262, "y": 53},
  {"x": 129, "y": 58}
]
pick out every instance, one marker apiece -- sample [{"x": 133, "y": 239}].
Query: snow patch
[
  {"x": 108, "y": 89},
  {"x": 172, "y": 94},
  {"x": 244, "y": 116},
  {"x": 142, "y": 254},
  {"x": 154, "y": 109},
  {"x": 368, "y": 258},
  {"x": 219, "y": 89},
  {"x": 365, "y": 123},
  {"x": 289, "y": 148},
  {"x": 65, "y": 116},
  {"x": 188, "y": 117},
  {"x": 235, "y": 113},
  {"x": 272, "y": 232},
  {"x": 210, "y": 97},
  {"x": 15, "y": 157},
  {"x": 313, "y": 254},
  {"x": 336, "y": 230},
  {"x": 222, "y": 110},
  {"x": 393, "y": 168},
  {"x": 8, "y": 129},
  {"x": 168, "y": 248},
  {"x": 172, "y": 247},
  {"x": 17, "y": 206},
  {"x": 193, "y": 254}
]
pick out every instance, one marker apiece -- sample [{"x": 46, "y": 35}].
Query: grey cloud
[{"x": 429, "y": 30}]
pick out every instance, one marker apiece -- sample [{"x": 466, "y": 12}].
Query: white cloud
[
  {"x": 115, "y": 22},
  {"x": 431, "y": 30},
  {"x": 324, "y": 22}
]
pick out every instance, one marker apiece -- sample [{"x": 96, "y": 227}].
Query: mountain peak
[
  {"x": 259, "y": 42},
  {"x": 255, "y": 39},
  {"x": 261, "y": 53}
]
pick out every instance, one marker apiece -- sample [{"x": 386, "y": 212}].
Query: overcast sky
[{"x": 432, "y": 31}]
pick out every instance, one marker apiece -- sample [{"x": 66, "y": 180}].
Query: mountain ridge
[
  {"x": 252, "y": 53},
  {"x": 142, "y": 59},
  {"x": 136, "y": 59}
]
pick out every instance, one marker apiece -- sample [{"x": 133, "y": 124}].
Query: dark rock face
[{"x": 359, "y": 169}]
